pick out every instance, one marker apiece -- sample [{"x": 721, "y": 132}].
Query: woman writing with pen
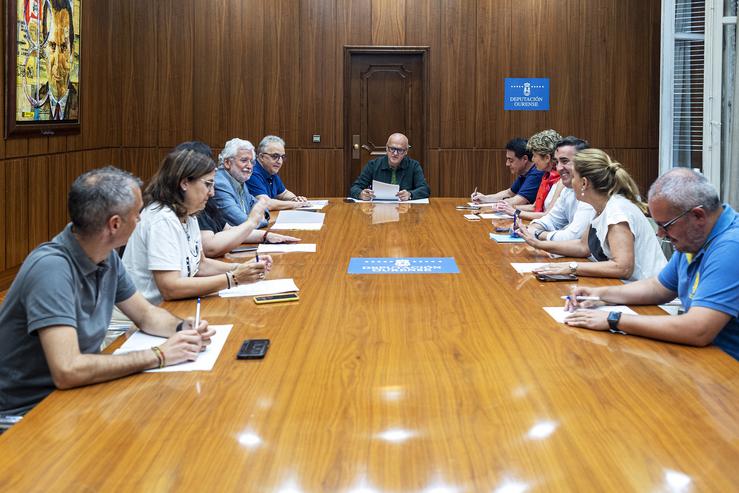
[{"x": 164, "y": 255}]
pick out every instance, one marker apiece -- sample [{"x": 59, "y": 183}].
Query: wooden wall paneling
[
  {"x": 293, "y": 173},
  {"x": 57, "y": 193},
  {"x": 354, "y": 18},
  {"x": 493, "y": 174},
  {"x": 388, "y": 22},
  {"x": 142, "y": 162},
  {"x": 98, "y": 158},
  {"x": 281, "y": 92},
  {"x": 139, "y": 89},
  {"x": 246, "y": 55},
  {"x": 212, "y": 78},
  {"x": 38, "y": 145},
  {"x": 459, "y": 172},
  {"x": 457, "y": 102},
  {"x": 318, "y": 68},
  {"x": 432, "y": 172},
  {"x": 57, "y": 144},
  {"x": 38, "y": 199},
  {"x": 3, "y": 235},
  {"x": 595, "y": 99},
  {"x": 322, "y": 173},
  {"x": 16, "y": 147},
  {"x": 633, "y": 73},
  {"x": 175, "y": 67},
  {"x": 423, "y": 28},
  {"x": 538, "y": 53},
  {"x": 100, "y": 86},
  {"x": 493, "y": 60},
  {"x": 16, "y": 212},
  {"x": 642, "y": 165}
]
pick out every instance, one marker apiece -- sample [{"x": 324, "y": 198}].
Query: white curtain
[{"x": 730, "y": 171}]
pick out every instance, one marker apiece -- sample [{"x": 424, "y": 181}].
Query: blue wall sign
[
  {"x": 416, "y": 265},
  {"x": 526, "y": 94}
]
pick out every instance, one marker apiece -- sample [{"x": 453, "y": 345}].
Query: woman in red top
[{"x": 542, "y": 145}]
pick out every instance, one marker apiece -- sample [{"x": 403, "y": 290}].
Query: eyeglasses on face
[
  {"x": 210, "y": 184},
  {"x": 664, "y": 227},
  {"x": 275, "y": 156},
  {"x": 396, "y": 150}
]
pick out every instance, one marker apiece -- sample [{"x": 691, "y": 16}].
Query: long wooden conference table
[{"x": 427, "y": 383}]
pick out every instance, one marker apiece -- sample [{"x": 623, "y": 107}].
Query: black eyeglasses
[
  {"x": 396, "y": 150},
  {"x": 664, "y": 227},
  {"x": 275, "y": 156}
]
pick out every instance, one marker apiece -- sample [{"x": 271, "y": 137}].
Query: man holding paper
[
  {"x": 57, "y": 310},
  {"x": 395, "y": 168}
]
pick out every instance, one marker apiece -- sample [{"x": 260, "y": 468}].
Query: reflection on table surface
[{"x": 449, "y": 382}]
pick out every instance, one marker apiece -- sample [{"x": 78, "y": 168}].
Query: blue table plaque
[{"x": 408, "y": 265}]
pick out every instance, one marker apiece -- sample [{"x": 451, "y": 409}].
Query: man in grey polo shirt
[{"x": 58, "y": 308}]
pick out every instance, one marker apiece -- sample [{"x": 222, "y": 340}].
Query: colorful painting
[{"x": 45, "y": 51}]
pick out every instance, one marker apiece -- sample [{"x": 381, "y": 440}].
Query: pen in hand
[
  {"x": 581, "y": 298},
  {"x": 197, "y": 316}
]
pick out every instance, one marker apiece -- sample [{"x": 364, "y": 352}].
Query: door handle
[{"x": 355, "y": 146}]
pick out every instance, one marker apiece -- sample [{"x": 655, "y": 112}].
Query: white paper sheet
[
  {"x": 271, "y": 286},
  {"x": 483, "y": 204},
  {"x": 559, "y": 314},
  {"x": 385, "y": 191},
  {"x": 526, "y": 267},
  {"x": 496, "y": 215},
  {"x": 315, "y": 205},
  {"x": 505, "y": 238},
  {"x": 304, "y": 220},
  {"x": 205, "y": 361},
  {"x": 414, "y": 201},
  {"x": 286, "y": 247}
]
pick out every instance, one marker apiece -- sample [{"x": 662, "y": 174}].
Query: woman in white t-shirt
[
  {"x": 164, "y": 255},
  {"x": 620, "y": 242}
]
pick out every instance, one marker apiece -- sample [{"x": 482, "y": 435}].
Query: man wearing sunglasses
[
  {"x": 703, "y": 272},
  {"x": 265, "y": 182},
  {"x": 395, "y": 168}
]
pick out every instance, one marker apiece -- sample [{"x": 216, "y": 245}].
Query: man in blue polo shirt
[
  {"x": 703, "y": 272},
  {"x": 528, "y": 178},
  {"x": 265, "y": 181}
]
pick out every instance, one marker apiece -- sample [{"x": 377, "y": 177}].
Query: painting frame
[{"x": 36, "y": 109}]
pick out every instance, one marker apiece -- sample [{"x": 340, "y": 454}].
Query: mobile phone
[
  {"x": 502, "y": 230},
  {"x": 556, "y": 277},
  {"x": 253, "y": 349},
  {"x": 472, "y": 217},
  {"x": 276, "y": 298}
]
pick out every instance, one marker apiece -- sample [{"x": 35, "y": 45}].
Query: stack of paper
[
  {"x": 413, "y": 201},
  {"x": 206, "y": 359},
  {"x": 559, "y": 314},
  {"x": 385, "y": 191},
  {"x": 286, "y": 247},
  {"x": 496, "y": 215},
  {"x": 261, "y": 288},
  {"x": 304, "y": 220},
  {"x": 505, "y": 238},
  {"x": 314, "y": 205}
]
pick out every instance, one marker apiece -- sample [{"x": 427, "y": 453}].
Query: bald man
[{"x": 395, "y": 168}]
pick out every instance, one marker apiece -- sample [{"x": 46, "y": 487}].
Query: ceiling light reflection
[
  {"x": 392, "y": 392},
  {"x": 249, "y": 439},
  {"x": 677, "y": 481},
  {"x": 542, "y": 430},
  {"x": 395, "y": 435},
  {"x": 511, "y": 486}
]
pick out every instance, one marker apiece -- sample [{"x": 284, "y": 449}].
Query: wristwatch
[
  {"x": 537, "y": 234},
  {"x": 613, "y": 319},
  {"x": 573, "y": 267}
]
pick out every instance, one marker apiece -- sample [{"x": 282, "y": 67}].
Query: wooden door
[{"x": 385, "y": 92}]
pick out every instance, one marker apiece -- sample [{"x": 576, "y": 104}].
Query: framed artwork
[{"x": 42, "y": 67}]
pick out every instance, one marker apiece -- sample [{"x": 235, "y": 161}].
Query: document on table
[
  {"x": 286, "y": 247},
  {"x": 314, "y": 205},
  {"x": 412, "y": 201},
  {"x": 311, "y": 221},
  {"x": 505, "y": 238},
  {"x": 482, "y": 204},
  {"x": 260, "y": 288},
  {"x": 496, "y": 215},
  {"x": 385, "y": 191},
  {"x": 206, "y": 359},
  {"x": 559, "y": 314},
  {"x": 526, "y": 267}
]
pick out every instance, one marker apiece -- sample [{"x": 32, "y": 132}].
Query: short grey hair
[
  {"x": 270, "y": 139},
  {"x": 99, "y": 194},
  {"x": 684, "y": 189},
  {"x": 232, "y": 148}
]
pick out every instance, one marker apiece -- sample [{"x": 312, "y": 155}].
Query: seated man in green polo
[{"x": 396, "y": 168}]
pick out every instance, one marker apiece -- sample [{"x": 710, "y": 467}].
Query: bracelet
[
  {"x": 264, "y": 238},
  {"x": 160, "y": 356},
  {"x": 228, "y": 279},
  {"x": 538, "y": 233},
  {"x": 179, "y": 326}
]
